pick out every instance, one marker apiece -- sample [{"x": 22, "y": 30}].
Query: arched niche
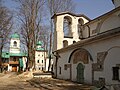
[
  {"x": 65, "y": 43},
  {"x": 15, "y": 44},
  {"x": 80, "y": 21},
  {"x": 110, "y": 23},
  {"x": 80, "y": 54}
]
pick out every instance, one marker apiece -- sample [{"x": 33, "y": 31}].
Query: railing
[
  {"x": 13, "y": 62},
  {"x": 5, "y": 64}
]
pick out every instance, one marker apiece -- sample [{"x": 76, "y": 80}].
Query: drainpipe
[
  {"x": 57, "y": 57},
  {"x": 56, "y": 66}
]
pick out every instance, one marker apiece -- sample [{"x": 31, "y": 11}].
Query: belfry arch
[{"x": 67, "y": 26}]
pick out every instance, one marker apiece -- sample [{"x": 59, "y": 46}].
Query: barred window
[
  {"x": 115, "y": 73},
  {"x": 38, "y": 61},
  {"x": 59, "y": 70}
]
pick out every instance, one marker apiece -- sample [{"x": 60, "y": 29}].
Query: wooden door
[
  {"x": 80, "y": 73},
  {"x": 14, "y": 68}
]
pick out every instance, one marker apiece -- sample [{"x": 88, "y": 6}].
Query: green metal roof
[
  {"x": 39, "y": 43},
  {"x": 40, "y": 48},
  {"x": 18, "y": 54},
  {"x": 5, "y": 54},
  {"x": 15, "y": 35}
]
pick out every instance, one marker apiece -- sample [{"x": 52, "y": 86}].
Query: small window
[
  {"x": 15, "y": 44},
  {"x": 38, "y": 61},
  {"x": 74, "y": 42},
  {"x": 65, "y": 67},
  {"x": 115, "y": 73},
  {"x": 42, "y": 55},
  {"x": 14, "y": 59},
  {"x": 80, "y": 21},
  {"x": 65, "y": 43},
  {"x": 38, "y": 54},
  {"x": 67, "y": 24},
  {"x": 59, "y": 70},
  {"x": 39, "y": 68},
  {"x": 42, "y": 61}
]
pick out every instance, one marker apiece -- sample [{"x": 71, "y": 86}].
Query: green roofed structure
[
  {"x": 15, "y": 35},
  {"x": 39, "y": 45},
  {"x": 5, "y": 55},
  {"x": 14, "y": 60},
  {"x": 21, "y": 54}
]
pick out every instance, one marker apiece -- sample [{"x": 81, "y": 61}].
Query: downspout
[
  {"x": 57, "y": 57},
  {"x": 56, "y": 66}
]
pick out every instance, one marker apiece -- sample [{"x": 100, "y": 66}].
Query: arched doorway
[
  {"x": 78, "y": 56},
  {"x": 80, "y": 73}
]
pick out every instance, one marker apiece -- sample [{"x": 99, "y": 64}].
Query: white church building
[
  {"x": 88, "y": 51},
  {"x": 41, "y": 58},
  {"x": 14, "y": 60}
]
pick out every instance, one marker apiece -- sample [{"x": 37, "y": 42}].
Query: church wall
[
  {"x": 116, "y": 3},
  {"x": 105, "y": 52},
  {"x": 58, "y": 21},
  {"x": 65, "y": 73},
  {"x": 101, "y": 25},
  {"x": 110, "y": 23},
  {"x": 111, "y": 60},
  {"x": 41, "y": 63}
]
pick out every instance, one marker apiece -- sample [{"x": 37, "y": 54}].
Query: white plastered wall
[
  {"x": 15, "y": 49},
  {"x": 110, "y": 61},
  {"x": 107, "y": 23},
  {"x": 40, "y": 55},
  {"x": 58, "y": 33}
]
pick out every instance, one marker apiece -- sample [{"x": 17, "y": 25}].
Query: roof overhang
[{"x": 77, "y": 15}]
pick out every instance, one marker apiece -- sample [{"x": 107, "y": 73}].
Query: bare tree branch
[{"x": 30, "y": 15}]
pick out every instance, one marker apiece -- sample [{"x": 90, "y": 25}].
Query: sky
[
  {"x": 90, "y": 8},
  {"x": 93, "y": 8}
]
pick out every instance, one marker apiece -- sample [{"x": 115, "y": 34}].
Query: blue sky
[
  {"x": 90, "y": 8},
  {"x": 93, "y": 8}
]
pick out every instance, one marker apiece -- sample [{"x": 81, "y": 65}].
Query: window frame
[{"x": 115, "y": 73}]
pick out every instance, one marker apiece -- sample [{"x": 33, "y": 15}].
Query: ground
[{"x": 13, "y": 81}]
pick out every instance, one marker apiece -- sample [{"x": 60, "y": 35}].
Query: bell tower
[
  {"x": 15, "y": 43},
  {"x": 66, "y": 29}
]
